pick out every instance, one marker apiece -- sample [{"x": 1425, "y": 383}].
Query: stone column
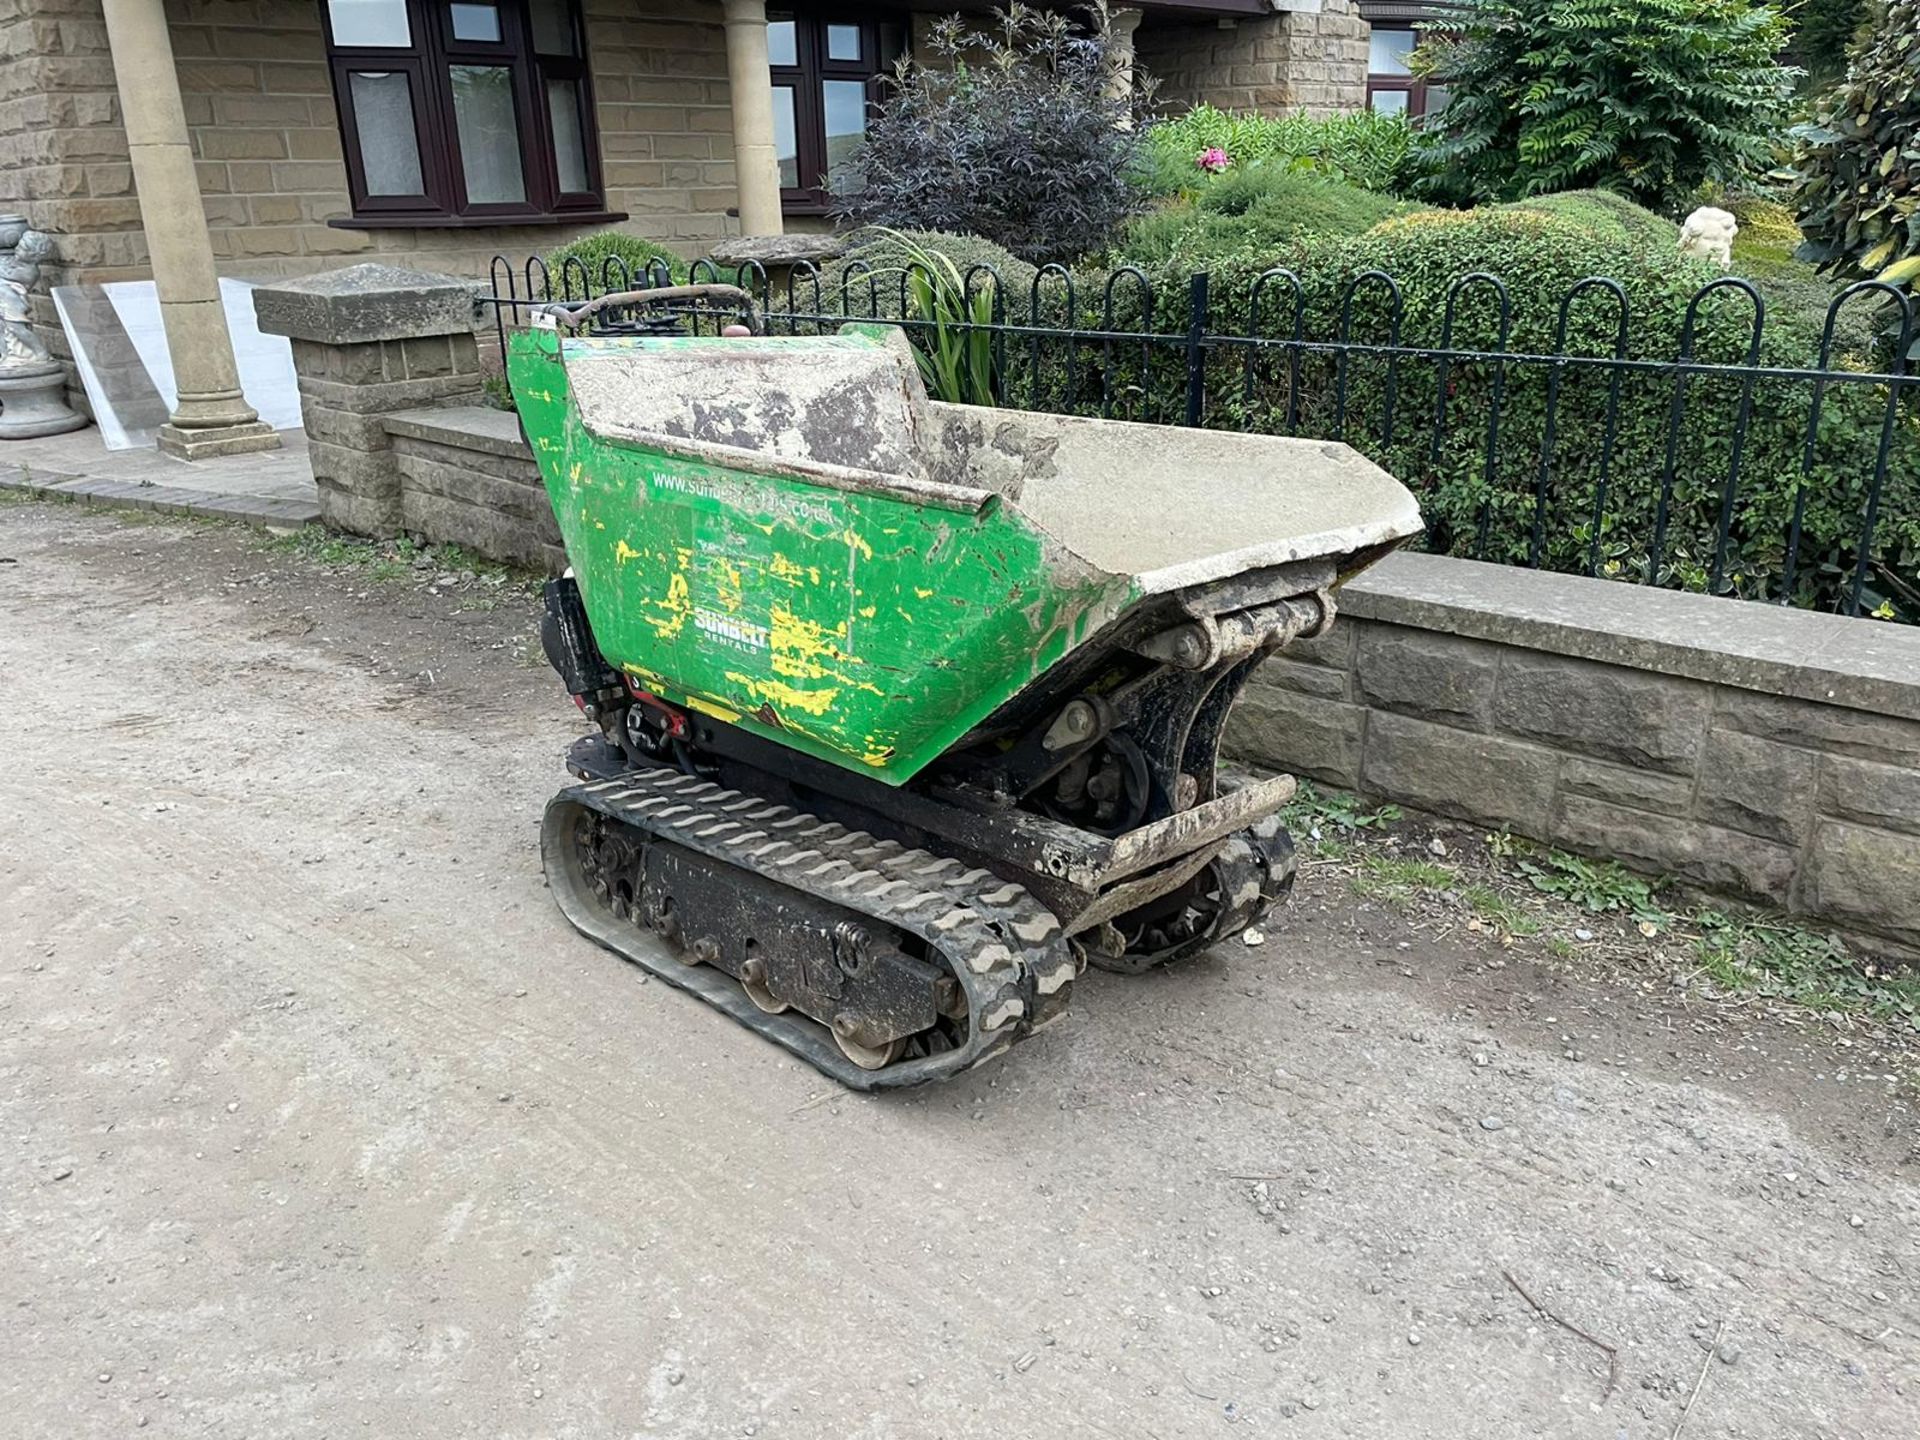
[
  {"x": 1120, "y": 27},
  {"x": 211, "y": 416},
  {"x": 756, "y": 168},
  {"x": 369, "y": 341}
]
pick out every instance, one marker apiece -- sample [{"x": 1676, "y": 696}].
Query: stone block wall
[
  {"x": 1312, "y": 57},
  {"x": 1764, "y": 754},
  {"x": 389, "y": 374},
  {"x": 467, "y": 477},
  {"x": 346, "y": 393}
]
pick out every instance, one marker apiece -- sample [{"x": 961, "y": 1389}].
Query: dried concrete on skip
[
  {"x": 1172, "y": 507},
  {"x": 321, "y": 1121}
]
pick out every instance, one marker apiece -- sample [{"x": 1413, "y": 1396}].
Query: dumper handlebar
[{"x": 572, "y": 317}]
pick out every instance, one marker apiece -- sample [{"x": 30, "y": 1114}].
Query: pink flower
[{"x": 1213, "y": 160}]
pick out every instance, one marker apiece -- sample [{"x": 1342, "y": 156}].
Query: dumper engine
[{"x": 908, "y": 711}]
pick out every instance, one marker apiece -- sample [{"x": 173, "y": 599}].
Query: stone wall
[
  {"x": 1767, "y": 754},
  {"x": 260, "y": 107},
  {"x": 389, "y": 377},
  {"x": 1312, "y": 57},
  {"x": 466, "y": 476}
]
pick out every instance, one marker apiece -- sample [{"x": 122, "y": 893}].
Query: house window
[
  {"x": 826, "y": 74},
  {"x": 1392, "y": 87},
  {"x": 465, "y": 112}
]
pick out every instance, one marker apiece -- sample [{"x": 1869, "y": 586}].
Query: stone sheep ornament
[{"x": 1708, "y": 233}]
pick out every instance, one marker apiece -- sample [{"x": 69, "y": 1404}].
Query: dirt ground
[{"x": 318, "y": 1120}]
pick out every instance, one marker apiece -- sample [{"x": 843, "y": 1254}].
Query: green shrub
[
  {"x": 1010, "y": 130},
  {"x": 1255, "y": 211},
  {"x": 951, "y": 344},
  {"x": 1540, "y": 251},
  {"x": 1824, "y": 33},
  {"x": 1474, "y": 509},
  {"x": 1764, "y": 223},
  {"x": 1646, "y": 97},
  {"x": 876, "y": 264},
  {"x": 1604, "y": 213},
  {"x": 1362, "y": 149},
  {"x": 595, "y": 251},
  {"x": 1157, "y": 236},
  {"x": 1859, "y": 164}
]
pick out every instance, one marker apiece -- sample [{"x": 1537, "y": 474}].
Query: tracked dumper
[{"x": 908, "y": 710}]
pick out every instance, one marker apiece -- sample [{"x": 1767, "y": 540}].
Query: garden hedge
[{"x": 1489, "y": 509}]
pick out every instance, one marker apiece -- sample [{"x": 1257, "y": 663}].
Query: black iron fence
[{"x": 1689, "y": 441}]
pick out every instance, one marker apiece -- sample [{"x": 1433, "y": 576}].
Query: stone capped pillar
[
  {"x": 368, "y": 341},
  {"x": 211, "y": 415},
  {"x": 750, "y": 92}
]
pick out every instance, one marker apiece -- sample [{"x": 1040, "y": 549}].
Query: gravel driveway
[{"x": 318, "y": 1120}]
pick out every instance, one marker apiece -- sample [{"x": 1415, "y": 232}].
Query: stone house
[{"x": 190, "y": 139}]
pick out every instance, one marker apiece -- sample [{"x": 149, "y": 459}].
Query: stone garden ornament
[
  {"x": 32, "y": 383},
  {"x": 1708, "y": 233}
]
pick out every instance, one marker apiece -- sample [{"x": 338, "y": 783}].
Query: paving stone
[
  {"x": 1320, "y": 681},
  {"x": 364, "y": 303},
  {"x": 1333, "y": 649},
  {"x": 1625, "y": 785},
  {"x": 1834, "y": 728}
]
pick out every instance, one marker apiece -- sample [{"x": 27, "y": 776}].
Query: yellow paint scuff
[
  {"x": 678, "y": 605},
  {"x": 781, "y": 695},
  {"x": 726, "y": 586},
  {"x": 800, "y": 649},
  {"x": 716, "y": 710}
]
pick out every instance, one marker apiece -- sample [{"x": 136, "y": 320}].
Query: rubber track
[{"x": 1005, "y": 947}]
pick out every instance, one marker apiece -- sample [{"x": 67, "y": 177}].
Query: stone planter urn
[{"x": 33, "y": 386}]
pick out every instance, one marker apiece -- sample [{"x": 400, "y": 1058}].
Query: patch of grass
[
  {"x": 497, "y": 393},
  {"x": 1419, "y": 874},
  {"x": 311, "y": 542},
  {"x": 1596, "y": 885},
  {"x": 1521, "y": 889},
  {"x": 1786, "y": 962},
  {"x": 387, "y": 561},
  {"x": 11, "y": 496},
  {"x": 1385, "y": 877},
  {"x": 1324, "y": 823},
  {"x": 1369, "y": 887},
  {"x": 1501, "y": 911}
]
